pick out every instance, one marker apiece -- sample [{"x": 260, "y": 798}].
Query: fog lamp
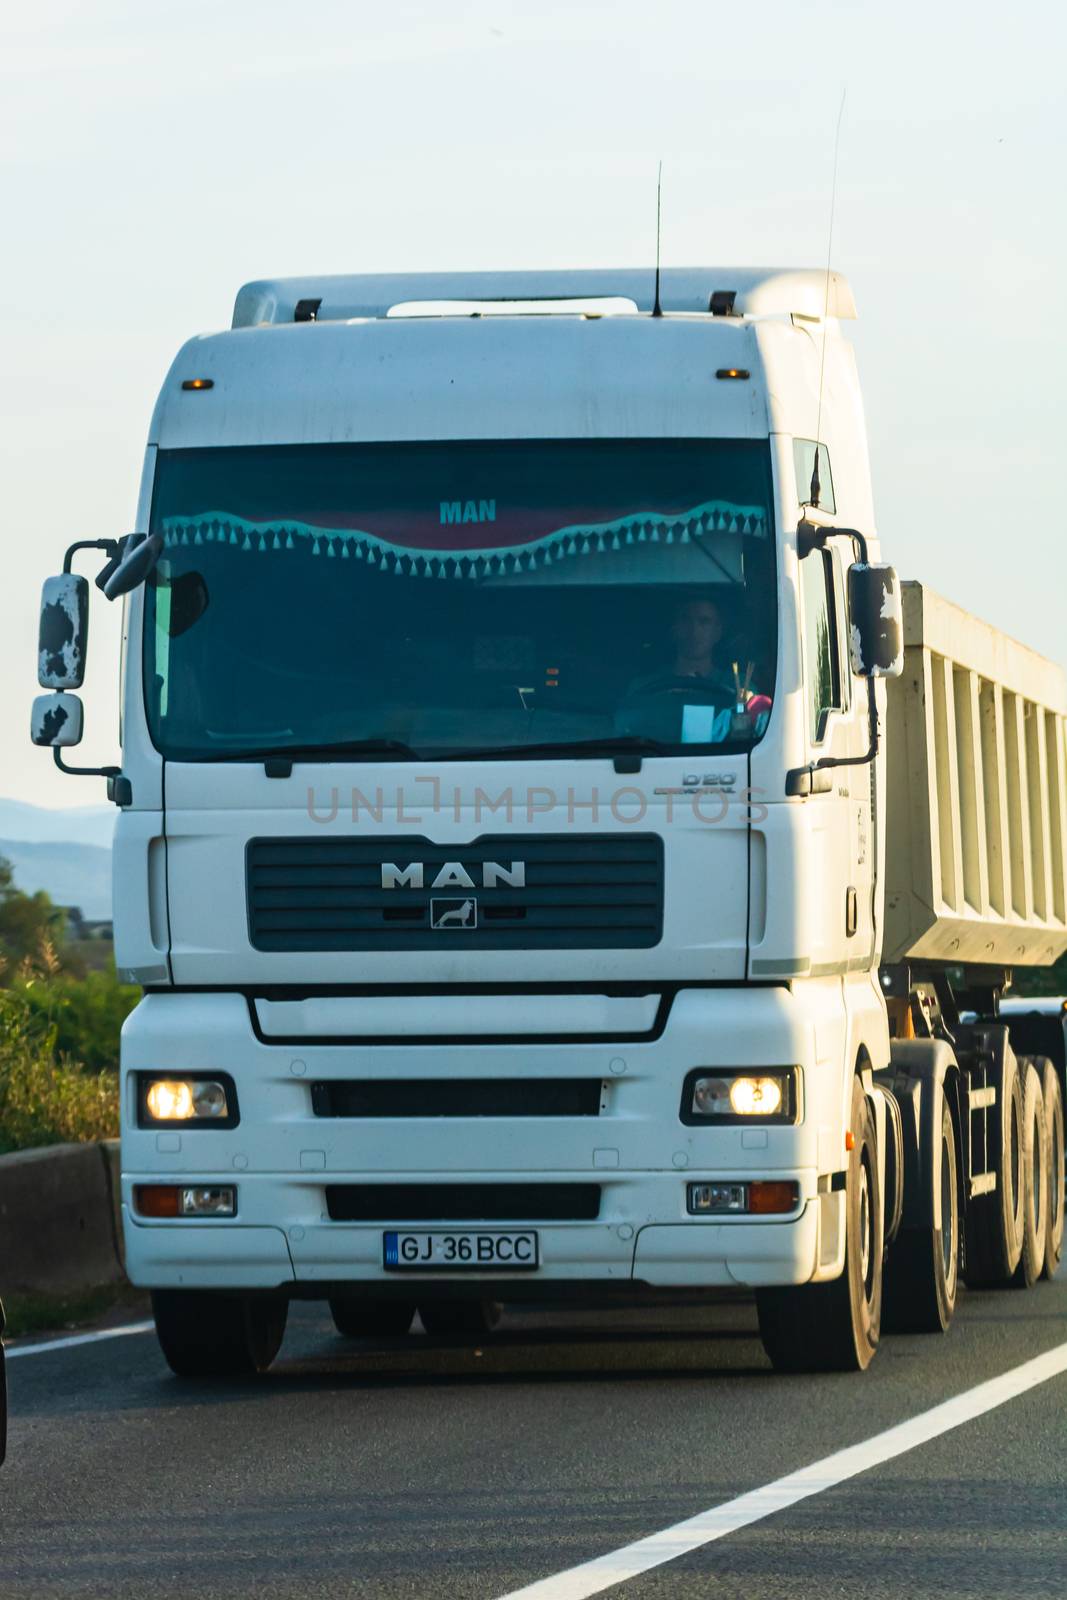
[
  {"x": 220, "y": 1201},
  {"x": 704, "y": 1197}
]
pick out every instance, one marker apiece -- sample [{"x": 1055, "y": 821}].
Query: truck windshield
[{"x": 451, "y": 599}]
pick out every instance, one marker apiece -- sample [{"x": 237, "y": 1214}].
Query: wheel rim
[
  {"x": 866, "y": 1230},
  {"x": 1016, "y": 1143},
  {"x": 948, "y": 1215},
  {"x": 1056, "y": 1173}
]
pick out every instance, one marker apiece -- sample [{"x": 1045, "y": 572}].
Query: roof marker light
[
  {"x": 732, "y": 372},
  {"x": 198, "y": 383}
]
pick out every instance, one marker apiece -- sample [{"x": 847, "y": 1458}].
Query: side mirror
[
  {"x": 137, "y": 560},
  {"x": 876, "y": 631},
  {"x": 56, "y": 720},
  {"x": 64, "y": 632}
]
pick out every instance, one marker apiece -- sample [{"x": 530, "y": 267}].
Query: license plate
[{"x": 480, "y": 1252}]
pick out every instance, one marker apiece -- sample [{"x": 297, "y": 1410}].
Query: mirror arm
[
  {"x": 83, "y": 772},
  {"x": 801, "y": 780},
  {"x": 810, "y": 536},
  {"x": 119, "y": 789},
  {"x": 109, "y": 547},
  {"x": 872, "y": 723},
  {"x": 858, "y": 538}
]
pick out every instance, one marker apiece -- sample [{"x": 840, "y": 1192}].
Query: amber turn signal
[
  {"x": 765, "y": 1198},
  {"x": 157, "y": 1199}
]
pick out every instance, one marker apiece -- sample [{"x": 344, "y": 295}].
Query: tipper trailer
[{"x": 559, "y": 857}]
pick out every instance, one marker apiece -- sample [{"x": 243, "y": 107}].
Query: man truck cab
[{"x": 492, "y": 951}]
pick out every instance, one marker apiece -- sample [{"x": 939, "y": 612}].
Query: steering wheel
[{"x": 705, "y": 694}]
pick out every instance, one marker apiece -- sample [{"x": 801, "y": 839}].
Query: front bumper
[
  {"x": 637, "y": 1151},
  {"x": 690, "y": 1253}
]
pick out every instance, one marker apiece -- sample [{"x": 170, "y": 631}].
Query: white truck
[{"x": 532, "y": 893}]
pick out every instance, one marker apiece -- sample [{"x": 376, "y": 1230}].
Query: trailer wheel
[
  {"x": 995, "y": 1224},
  {"x": 1035, "y": 1178},
  {"x": 370, "y": 1318},
  {"x": 834, "y": 1327},
  {"x": 459, "y": 1318},
  {"x": 922, "y": 1270},
  {"x": 205, "y": 1334},
  {"x": 1053, "y": 1093}
]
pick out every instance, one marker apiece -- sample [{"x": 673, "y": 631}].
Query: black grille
[
  {"x": 581, "y": 891},
  {"x": 463, "y": 1202},
  {"x": 459, "y": 1097}
]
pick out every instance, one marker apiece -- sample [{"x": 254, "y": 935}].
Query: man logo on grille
[{"x": 454, "y": 914}]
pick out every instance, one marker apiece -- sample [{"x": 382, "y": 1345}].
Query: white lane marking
[
  {"x": 593, "y": 1577},
  {"x": 76, "y": 1339}
]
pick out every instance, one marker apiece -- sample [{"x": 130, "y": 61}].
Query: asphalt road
[{"x": 419, "y": 1469}]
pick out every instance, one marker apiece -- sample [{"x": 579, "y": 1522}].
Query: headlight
[
  {"x": 756, "y": 1097},
  {"x": 726, "y": 1095},
  {"x": 207, "y": 1099}
]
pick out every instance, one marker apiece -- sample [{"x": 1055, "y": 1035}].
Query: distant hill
[
  {"x": 65, "y": 853},
  {"x": 71, "y": 874},
  {"x": 45, "y": 825}
]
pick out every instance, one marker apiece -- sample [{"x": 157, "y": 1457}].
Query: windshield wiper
[{"x": 357, "y": 749}]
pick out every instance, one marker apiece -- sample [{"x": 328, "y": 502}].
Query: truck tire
[
  {"x": 922, "y": 1266},
  {"x": 834, "y": 1327},
  {"x": 368, "y": 1318},
  {"x": 206, "y": 1334},
  {"x": 446, "y": 1319},
  {"x": 1052, "y": 1090},
  {"x": 1035, "y": 1178},
  {"x": 995, "y": 1224}
]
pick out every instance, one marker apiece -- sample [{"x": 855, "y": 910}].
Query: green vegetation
[
  {"x": 47, "y": 1098},
  {"x": 86, "y": 1014},
  {"x": 31, "y": 928},
  {"x": 59, "y": 1029},
  {"x": 45, "y": 1313}
]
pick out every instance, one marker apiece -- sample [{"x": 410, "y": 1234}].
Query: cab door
[
  {"x": 857, "y": 780},
  {"x": 839, "y": 840}
]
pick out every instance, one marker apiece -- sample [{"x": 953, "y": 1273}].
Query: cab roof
[{"x": 809, "y": 292}]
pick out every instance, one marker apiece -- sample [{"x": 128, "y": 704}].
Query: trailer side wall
[{"x": 976, "y": 842}]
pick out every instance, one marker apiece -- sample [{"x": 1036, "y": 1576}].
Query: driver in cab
[{"x": 691, "y": 697}]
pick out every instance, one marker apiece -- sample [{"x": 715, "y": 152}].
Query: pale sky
[{"x": 155, "y": 154}]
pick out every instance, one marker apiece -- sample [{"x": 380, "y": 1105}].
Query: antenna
[
  {"x": 657, "y": 309},
  {"x": 816, "y": 486}
]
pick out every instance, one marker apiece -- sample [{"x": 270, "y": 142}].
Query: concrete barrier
[
  {"x": 110, "y": 1149},
  {"x": 59, "y": 1218}
]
